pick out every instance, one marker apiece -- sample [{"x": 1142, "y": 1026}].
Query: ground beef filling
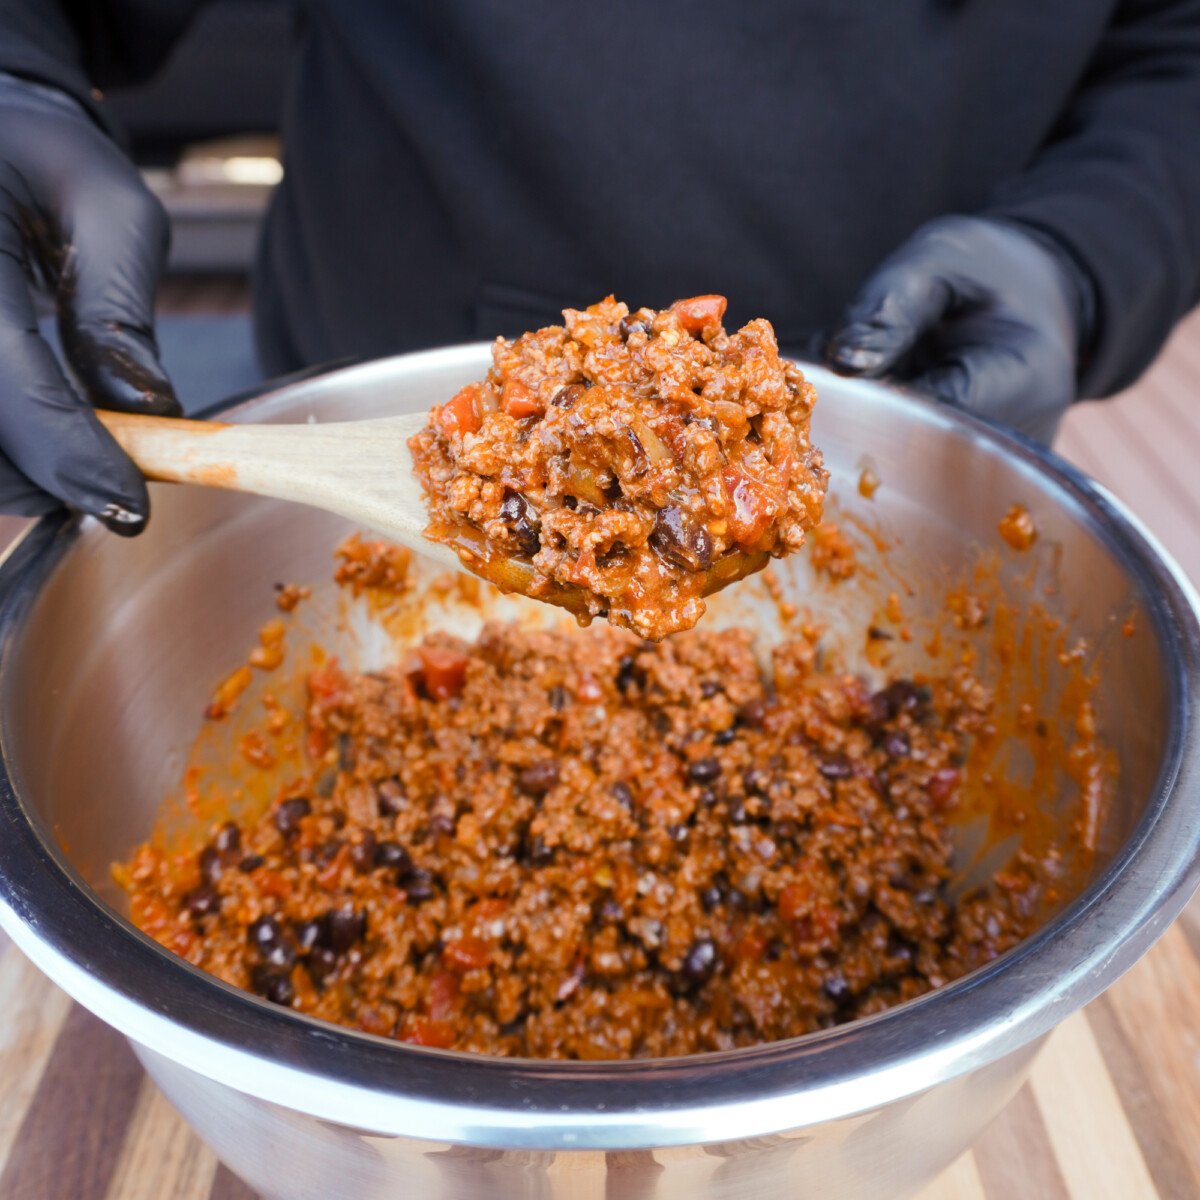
[
  {"x": 590, "y": 846},
  {"x": 627, "y": 464}
]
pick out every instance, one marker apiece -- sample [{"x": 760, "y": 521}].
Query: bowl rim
[{"x": 178, "y": 1012}]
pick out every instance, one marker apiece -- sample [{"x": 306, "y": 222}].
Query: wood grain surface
[{"x": 1113, "y": 1108}]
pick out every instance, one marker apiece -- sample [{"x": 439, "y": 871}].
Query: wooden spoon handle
[
  {"x": 175, "y": 450},
  {"x": 360, "y": 469}
]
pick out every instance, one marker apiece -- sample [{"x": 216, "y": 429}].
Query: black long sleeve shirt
[{"x": 458, "y": 168}]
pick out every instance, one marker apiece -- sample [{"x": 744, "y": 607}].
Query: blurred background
[{"x": 205, "y": 134}]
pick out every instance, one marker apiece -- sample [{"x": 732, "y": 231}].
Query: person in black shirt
[{"x": 995, "y": 200}]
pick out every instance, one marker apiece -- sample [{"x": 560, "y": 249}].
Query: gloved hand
[
  {"x": 76, "y": 218},
  {"x": 983, "y": 314}
]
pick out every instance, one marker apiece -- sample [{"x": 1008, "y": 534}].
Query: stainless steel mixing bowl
[{"x": 109, "y": 650}]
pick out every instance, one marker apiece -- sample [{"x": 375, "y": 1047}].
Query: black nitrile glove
[
  {"x": 76, "y": 218},
  {"x": 982, "y": 314}
]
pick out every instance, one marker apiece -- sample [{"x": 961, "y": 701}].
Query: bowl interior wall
[{"x": 126, "y": 642}]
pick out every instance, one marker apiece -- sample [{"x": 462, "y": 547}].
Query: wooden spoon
[{"x": 361, "y": 470}]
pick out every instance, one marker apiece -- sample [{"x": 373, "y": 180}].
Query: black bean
[
  {"x": 756, "y": 781},
  {"x": 251, "y": 863},
  {"x": 327, "y": 852},
  {"x": 538, "y": 778},
  {"x": 289, "y": 814},
  {"x": 875, "y": 634},
  {"x": 710, "y": 898},
  {"x": 896, "y": 744},
  {"x": 622, "y": 794},
  {"x": 737, "y": 812},
  {"x": 321, "y": 963},
  {"x": 229, "y": 839},
  {"x": 704, "y": 770},
  {"x": 211, "y": 867},
  {"x": 610, "y": 910},
  {"x": 264, "y": 932},
  {"x": 680, "y": 542},
  {"x": 266, "y": 935},
  {"x": 441, "y": 825},
  {"x": 307, "y": 934},
  {"x": 678, "y": 833},
  {"x": 753, "y": 713},
  {"x": 202, "y": 900},
  {"x": 631, "y": 324},
  {"x": 342, "y": 927},
  {"x": 419, "y": 886},
  {"x": 724, "y": 736},
  {"x": 709, "y": 688},
  {"x": 628, "y": 675},
  {"x": 708, "y": 798},
  {"x": 836, "y": 987},
  {"x": 389, "y": 797},
  {"x": 393, "y": 856},
  {"x": 539, "y": 853},
  {"x": 571, "y": 503},
  {"x": 566, "y": 397},
  {"x": 836, "y": 767},
  {"x": 558, "y": 698},
  {"x": 514, "y": 511},
  {"x": 700, "y": 962},
  {"x": 274, "y": 985},
  {"x": 900, "y": 696},
  {"x": 362, "y": 853}
]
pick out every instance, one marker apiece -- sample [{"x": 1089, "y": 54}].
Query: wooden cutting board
[{"x": 1113, "y": 1108}]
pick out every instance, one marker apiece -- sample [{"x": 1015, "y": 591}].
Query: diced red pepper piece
[
  {"x": 520, "y": 401},
  {"x": 753, "y": 508},
  {"x": 443, "y": 996},
  {"x": 700, "y": 312},
  {"x": 442, "y": 671},
  {"x": 425, "y": 1031},
  {"x": 466, "y": 954},
  {"x": 461, "y": 413}
]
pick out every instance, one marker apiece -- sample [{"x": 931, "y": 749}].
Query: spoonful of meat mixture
[{"x": 626, "y": 464}]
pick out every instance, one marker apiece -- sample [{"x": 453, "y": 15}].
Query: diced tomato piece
[
  {"x": 489, "y": 909},
  {"x": 326, "y": 681},
  {"x": 520, "y": 401},
  {"x": 819, "y": 929},
  {"x": 699, "y": 312},
  {"x": 443, "y": 996},
  {"x": 942, "y": 786},
  {"x": 425, "y": 1031},
  {"x": 461, "y": 413},
  {"x": 442, "y": 671},
  {"x": 750, "y": 947},
  {"x": 796, "y": 900},
  {"x": 466, "y": 954},
  {"x": 753, "y": 508}
]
